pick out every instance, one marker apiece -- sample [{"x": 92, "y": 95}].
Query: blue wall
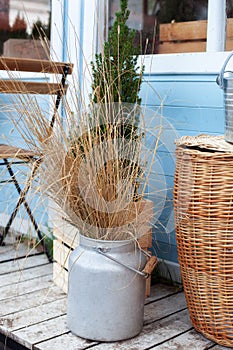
[{"x": 190, "y": 104}]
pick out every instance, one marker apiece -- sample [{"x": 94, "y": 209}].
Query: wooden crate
[
  {"x": 66, "y": 239},
  {"x": 183, "y": 37}
]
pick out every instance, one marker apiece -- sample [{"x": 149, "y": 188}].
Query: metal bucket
[
  {"x": 106, "y": 290},
  {"x": 225, "y": 81}
]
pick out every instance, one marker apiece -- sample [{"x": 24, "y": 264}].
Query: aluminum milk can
[
  {"x": 225, "y": 81},
  {"x": 106, "y": 289}
]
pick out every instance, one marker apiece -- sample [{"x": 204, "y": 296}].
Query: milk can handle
[
  {"x": 149, "y": 267},
  {"x": 221, "y": 74}
]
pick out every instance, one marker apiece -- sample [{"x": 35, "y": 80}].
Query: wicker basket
[{"x": 203, "y": 200}]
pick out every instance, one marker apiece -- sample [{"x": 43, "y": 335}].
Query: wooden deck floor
[{"x": 33, "y": 311}]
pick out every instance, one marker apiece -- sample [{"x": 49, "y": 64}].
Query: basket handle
[{"x": 219, "y": 79}]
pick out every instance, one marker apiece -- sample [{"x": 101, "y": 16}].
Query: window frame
[{"x": 84, "y": 16}]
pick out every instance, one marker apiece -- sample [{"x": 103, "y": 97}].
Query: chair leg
[{"x": 22, "y": 200}]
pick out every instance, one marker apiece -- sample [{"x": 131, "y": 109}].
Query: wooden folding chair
[{"x": 13, "y": 155}]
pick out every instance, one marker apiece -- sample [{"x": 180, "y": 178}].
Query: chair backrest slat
[
  {"x": 28, "y": 87},
  {"x": 32, "y": 65},
  {"x": 14, "y": 84}
]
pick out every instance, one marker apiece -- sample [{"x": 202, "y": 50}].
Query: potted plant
[
  {"x": 94, "y": 168},
  {"x": 111, "y": 176}
]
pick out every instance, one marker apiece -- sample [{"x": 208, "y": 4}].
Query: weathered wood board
[
  {"x": 33, "y": 314},
  {"x": 183, "y": 37}
]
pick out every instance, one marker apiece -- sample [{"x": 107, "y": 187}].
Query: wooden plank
[
  {"x": 11, "y": 236},
  {"x": 30, "y": 300},
  {"x": 60, "y": 277},
  {"x": 153, "y": 334},
  {"x": 168, "y": 47},
  {"x": 14, "y": 251},
  {"x": 66, "y": 341},
  {"x": 164, "y": 307},
  {"x": 183, "y": 31},
  {"x": 195, "y": 46},
  {"x": 28, "y": 87},
  {"x": 7, "y": 151},
  {"x": 188, "y": 31},
  {"x": 65, "y": 232},
  {"x": 229, "y": 28},
  {"x": 189, "y": 36},
  {"x": 159, "y": 291},
  {"x": 45, "y": 326},
  {"x": 148, "y": 332},
  {"x": 25, "y": 287},
  {"x": 61, "y": 253},
  {"x": 33, "y": 65},
  {"x": 26, "y": 318},
  {"x": 229, "y": 44},
  {"x": 189, "y": 340},
  {"x": 219, "y": 347},
  {"x": 24, "y": 263},
  {"x": 24, "y": 275},
  {"x": 42, "y": 331}
]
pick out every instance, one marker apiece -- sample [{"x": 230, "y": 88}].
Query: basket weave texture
[{"x": 203, "y": 201}]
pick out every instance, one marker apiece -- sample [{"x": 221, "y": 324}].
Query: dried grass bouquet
[{"x": 95, "y": 164}]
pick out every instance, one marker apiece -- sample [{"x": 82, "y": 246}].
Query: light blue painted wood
[
  {"x": 190, "y": 104},
  {"x": 182, "y": 90},
  {"x": 165, "y": 251},
  {"x": 208, "y": 119}
]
